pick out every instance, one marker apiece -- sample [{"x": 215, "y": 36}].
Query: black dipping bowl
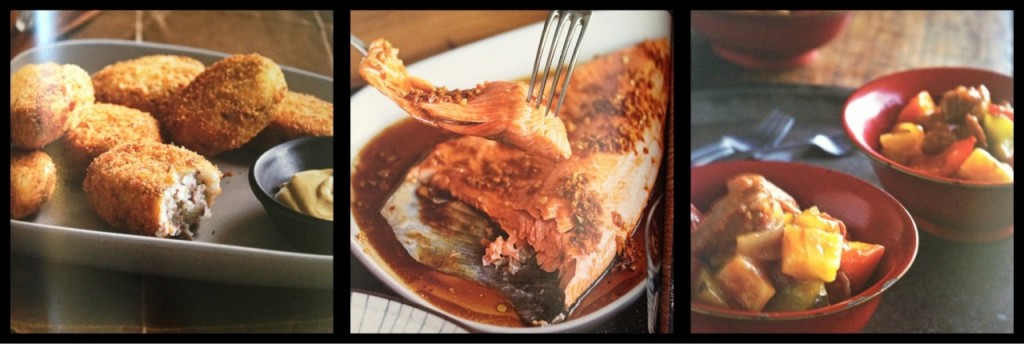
[{"x": 277, "y": 166}]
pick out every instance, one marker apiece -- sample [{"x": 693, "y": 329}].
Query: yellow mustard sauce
[{"x": 310, "y": 192}]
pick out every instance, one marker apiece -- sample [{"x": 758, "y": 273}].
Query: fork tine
[
  {"x": 561, "y": 61},
  {"x": 540, "y": 53},
  {"x": 773, "y": 134},
  {"x": 772, "y": 125},
  {"x": 773, "y": 138},
  {"x": 763, "y": 125},
  {"x": 768, "y": 122},
  {"x": 573, "y": 18},
  {"x": 551, "y": 56},
  {"x": 584, "y": 19}
]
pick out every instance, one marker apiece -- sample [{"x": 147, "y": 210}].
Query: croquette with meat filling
[
  {"x": 33, "y": 180},
  {"x": 298, "y": 115},
  {"x": 42, "y": 98},
  {"x": 99, "y": 127},
  {"x": 152, "y": 189},
  {"x": 147, "y": 83},
  {"x": 227, "y": 104}
]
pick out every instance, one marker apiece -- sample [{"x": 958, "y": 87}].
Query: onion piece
[
  {"x": 764, "y": 245},
  {"x": 695, "y": 218}
]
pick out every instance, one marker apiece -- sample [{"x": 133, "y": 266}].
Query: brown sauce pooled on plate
[{"x": 382, "y": 165}]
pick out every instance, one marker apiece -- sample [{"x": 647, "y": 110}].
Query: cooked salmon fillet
[
  {"x": 496, "y": 110},
  {"x": 572, "y": 215}
]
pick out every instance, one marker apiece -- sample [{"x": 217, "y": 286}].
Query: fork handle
[
  {"x": 710, "y": 152},
  {"x": 722, "y": 152},
  {"x": 706, "y": 149},
  {"x": 358, "y": 44}
]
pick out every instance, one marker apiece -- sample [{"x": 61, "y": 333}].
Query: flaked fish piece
[
  {"x": 571, "y": 216},
  {"x": 446, "y": 234},
  {"x": 496, "y": 110}
]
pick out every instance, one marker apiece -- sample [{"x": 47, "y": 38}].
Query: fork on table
[{"x": 768, "y": 134}]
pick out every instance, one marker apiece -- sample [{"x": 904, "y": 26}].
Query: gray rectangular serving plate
[{"x": 237, "y": 245}]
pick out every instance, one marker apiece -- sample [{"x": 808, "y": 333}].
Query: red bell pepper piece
[
  {"x": 996, "y": 109},
  {"x": 949, "y": 161},
  {"x": 859, "y": 262}
]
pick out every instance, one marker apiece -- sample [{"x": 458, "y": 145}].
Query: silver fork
[
  {"x": 558, "y": 17},
  {"x": 768, "y": 134},
  {"x": 358, "y": 44}
]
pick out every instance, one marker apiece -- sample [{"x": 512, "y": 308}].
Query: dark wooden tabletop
[
  {"x": 56, "y": 297},
  {"x": 300, "y": 39},
  {"x": 877, "y": 43}
]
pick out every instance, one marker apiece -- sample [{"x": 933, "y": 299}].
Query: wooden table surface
[
  {"x": 877, "y": 43},
  {"x": 301, "y": 39},
  {"x": 55, "y": 297}
]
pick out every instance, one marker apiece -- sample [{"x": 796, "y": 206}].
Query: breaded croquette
[
  {"x": 298, "y": 115},
  {"x": 147, "y": 83},
  {"x": 99, "y": 127},
  {"x": 152, "y": 189},
  {"x": 33, "y": 179},
  {"x": 42, "y": 98},
  {"x": 226, "y": 105}
]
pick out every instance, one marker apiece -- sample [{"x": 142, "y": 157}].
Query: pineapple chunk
[
  {"x": 812, "y": 218},
  {"x": 745, "y": 283},
  {"x": 918, "y": 109},
  {"x": 981, "y": 166},
  {"x": 903, "y": 142},
  {"x": 811, "y": 254}
]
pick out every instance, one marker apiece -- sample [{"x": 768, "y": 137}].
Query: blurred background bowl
[
  {"x": 278, "y": 165},
  {"x": 769, "y": 39},
  {"x": 870, "y": 215},
  {"x": 954, "y": 209}
]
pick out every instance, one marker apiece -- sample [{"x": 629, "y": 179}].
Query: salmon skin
[
  {"x": 569, "y": 217},
  {"x": 496, "y": 110},
  {"x": 446, "y": 234}
]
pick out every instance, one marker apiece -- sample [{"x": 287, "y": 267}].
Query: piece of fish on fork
[
  {"x": 496, "y": 110},
  {"x": 569, "y": 217}
]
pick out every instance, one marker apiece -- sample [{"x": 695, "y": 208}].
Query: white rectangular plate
[
  {"x": 237, "y": 245},
  {"x": 507, "y": 56}
]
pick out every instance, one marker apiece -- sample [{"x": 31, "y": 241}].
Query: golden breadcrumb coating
[
  {"x": 147, "y": 83},
  {"x": 99, "y": 127},
  {"x": 298, "y": 115},
  {"x": 126, "y": 185},
  {"x": 42, "y": 98},
  {"x": 226, "y": 105},
  {"x": 33, "y": 179}
]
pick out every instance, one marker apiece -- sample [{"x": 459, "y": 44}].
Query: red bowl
[
  {"x": 957, "y": 210},
  {"x": 758, "y": 40},
  {"x": 870, "y": 214}
]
